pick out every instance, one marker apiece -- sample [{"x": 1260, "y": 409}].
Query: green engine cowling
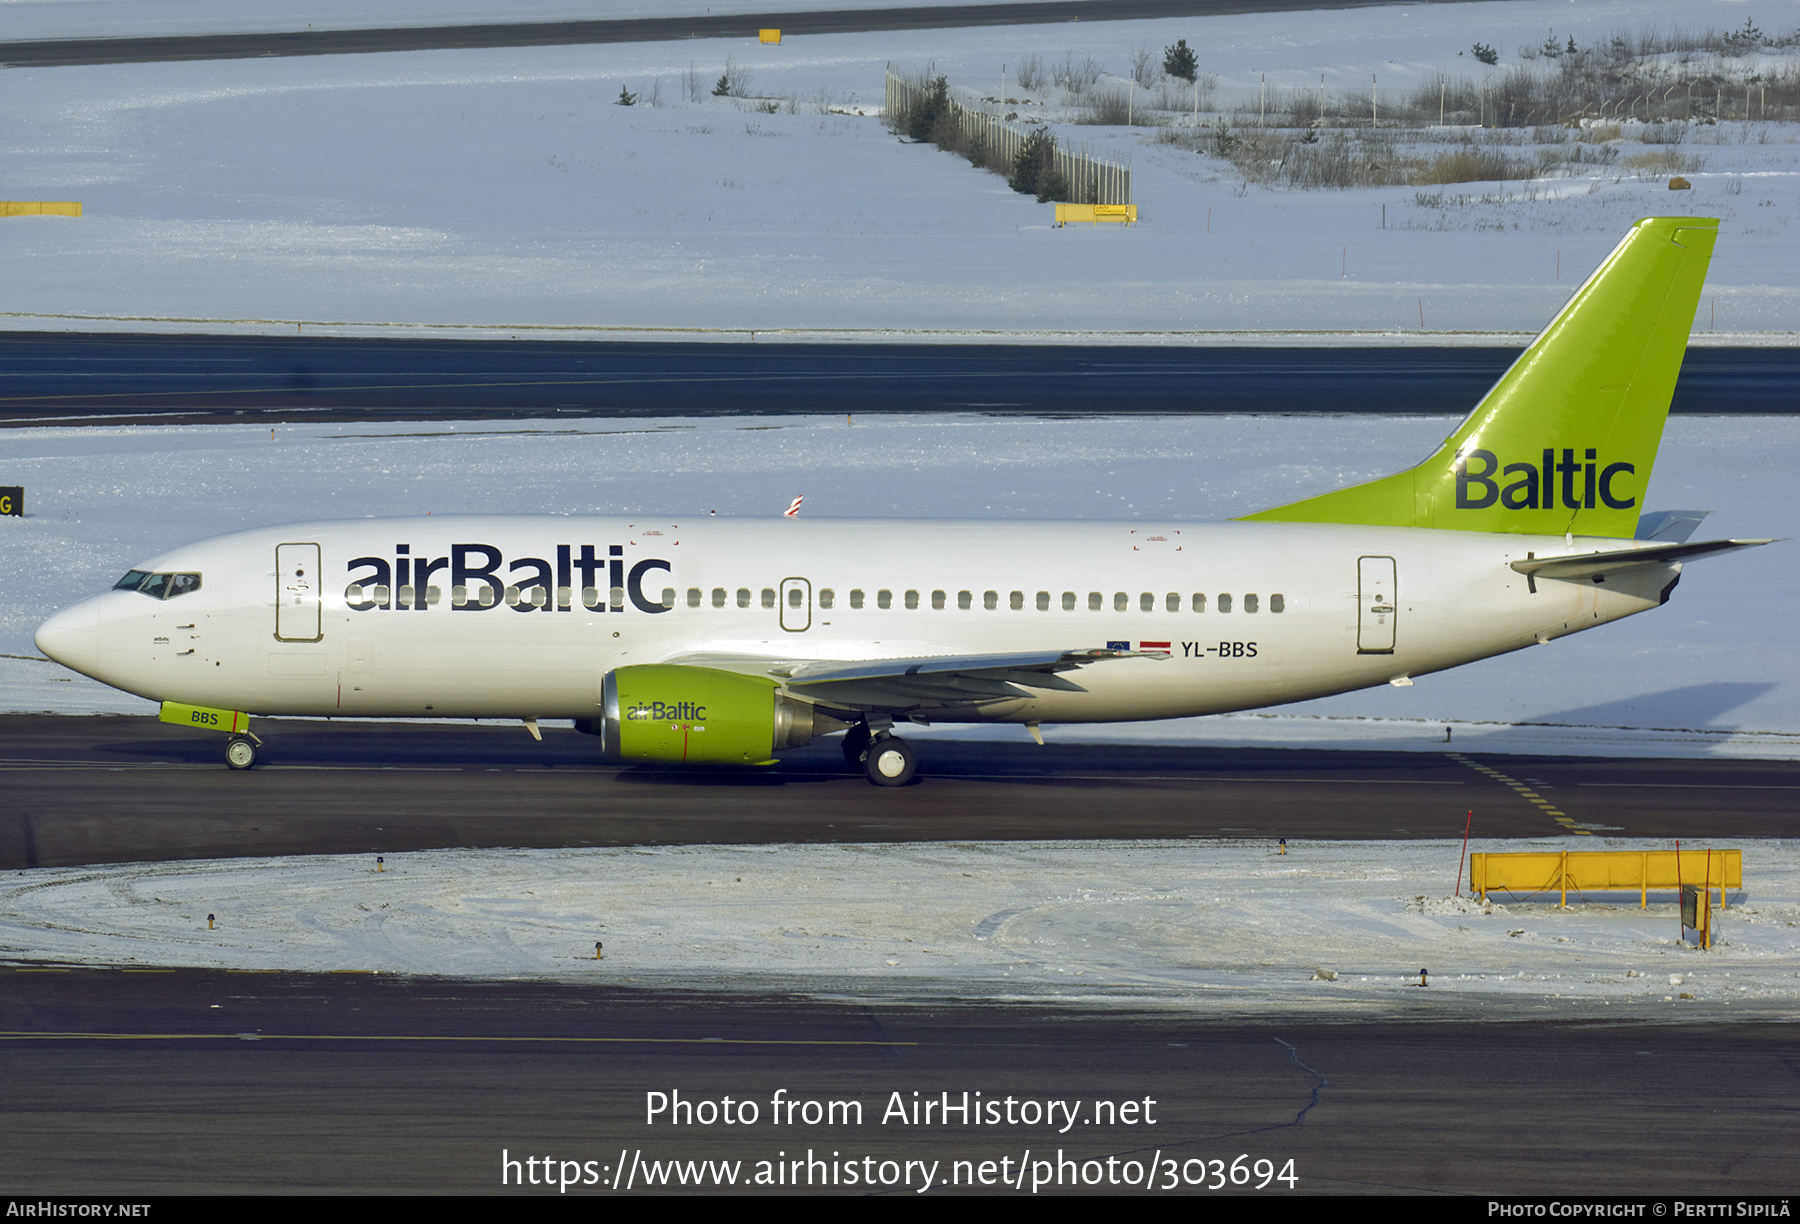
[{"x": 701, "y": 716}]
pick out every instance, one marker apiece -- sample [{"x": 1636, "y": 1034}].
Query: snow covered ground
[
  {"x": 500, "y": 192},
  {"x": 1716, "y": 671},
  {"x": 1214, "y": 925}
]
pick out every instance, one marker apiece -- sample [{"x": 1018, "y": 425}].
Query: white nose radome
[{"x": 72, "y": 637}]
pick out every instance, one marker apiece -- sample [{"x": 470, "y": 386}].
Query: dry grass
[
  {"x": 1349, "y": 158},
  {"x": 1662, "y": 163},
  {"x": 1116, "y": 108},
  {"x": 1106, "y": 107},
  {"x": 1472, "y": 164},
  {"x": 1388, "y": 157},
  {"x": 1646, "y": 74}
]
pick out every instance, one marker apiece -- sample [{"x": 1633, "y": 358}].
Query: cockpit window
[{"x": 158, "y": 586}]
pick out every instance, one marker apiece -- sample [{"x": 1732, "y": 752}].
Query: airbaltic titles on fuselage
[
  {"x": 404, "y": 584},
  {"x": 480, "y": 577}
]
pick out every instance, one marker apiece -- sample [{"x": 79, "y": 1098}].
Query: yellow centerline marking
[{"x": 1524, "y": 792}]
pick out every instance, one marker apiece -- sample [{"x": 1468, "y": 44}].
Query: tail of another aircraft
[{"x": 1565, "y": 441}]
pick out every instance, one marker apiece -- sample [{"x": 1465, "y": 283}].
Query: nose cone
[{"x": 72, "y": 637}]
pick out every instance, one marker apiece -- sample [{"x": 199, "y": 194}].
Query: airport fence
[{"x": 1093, "y": 178}]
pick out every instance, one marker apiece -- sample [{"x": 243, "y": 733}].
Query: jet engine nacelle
[{"x": 699, "y": 715}]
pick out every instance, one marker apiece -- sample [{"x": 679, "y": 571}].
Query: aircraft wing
[
  {"x": 1617, "y": 560},
  {"x": 927, "y": 681}
]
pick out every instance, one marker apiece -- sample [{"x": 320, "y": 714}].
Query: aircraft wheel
[
  {"x": 890, "y": 762},
  {"x": 240, "y": 753},
  {"x": 855, "y": 745}
]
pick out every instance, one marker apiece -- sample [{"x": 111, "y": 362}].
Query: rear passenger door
[{"x": 1377, "y": 605}]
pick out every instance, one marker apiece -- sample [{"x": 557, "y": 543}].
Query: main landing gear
[
  {"x": 890, "y": 762},
  {"x": 884, "y": 758}
]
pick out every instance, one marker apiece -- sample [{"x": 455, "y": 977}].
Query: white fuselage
[{"x": 357, "y": 632}]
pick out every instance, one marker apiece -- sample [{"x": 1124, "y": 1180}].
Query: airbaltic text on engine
[{"x": 661, "y": 711}]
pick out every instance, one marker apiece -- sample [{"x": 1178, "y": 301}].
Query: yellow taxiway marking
[{"x": 1524, "y": 792}]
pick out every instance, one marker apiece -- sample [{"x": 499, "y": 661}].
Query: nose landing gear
[
  {"x": 884, "y": 758},
  {"x": 240, "y": 751}
]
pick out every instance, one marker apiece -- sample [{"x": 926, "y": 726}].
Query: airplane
[{"x": 723, "y": 642}]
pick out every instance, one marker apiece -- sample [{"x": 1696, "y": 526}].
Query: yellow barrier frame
[
  {"x": 40, "y": 208},
  {"x": 1605, "y": 871}
]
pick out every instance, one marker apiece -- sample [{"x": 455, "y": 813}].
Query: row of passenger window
[
  {"x": 1146, "y": 601},
  {"x": 362, "y": 598},
  {"x": 594, "y": 599}
]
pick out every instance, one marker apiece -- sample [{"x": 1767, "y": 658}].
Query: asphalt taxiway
[
  {"x": 135, "y": 1080},
  {"x": 195, "y": 1082},
  {"x": 70, "y": 51},
  {"x": 112, "y": 379},
  {"x": 122, "y": 789}
]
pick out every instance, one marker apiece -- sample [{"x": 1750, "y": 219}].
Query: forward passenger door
[{"x": 297, "y": 593}]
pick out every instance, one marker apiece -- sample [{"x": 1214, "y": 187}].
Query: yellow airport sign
[
  {"x": 40, "y": 208},
  {"x": 1097, "y": 214},
  {"x": 770, "y": 36}
]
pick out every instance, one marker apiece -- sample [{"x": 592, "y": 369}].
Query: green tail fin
[{"x": 1565, "y": 441}]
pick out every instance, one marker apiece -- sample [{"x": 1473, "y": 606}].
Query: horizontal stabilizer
[{"x": 1596, "y": 565}]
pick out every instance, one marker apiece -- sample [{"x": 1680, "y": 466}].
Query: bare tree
[
  {"x": 734, "y": 82},
  {"x": 1145, "y": 69}
]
